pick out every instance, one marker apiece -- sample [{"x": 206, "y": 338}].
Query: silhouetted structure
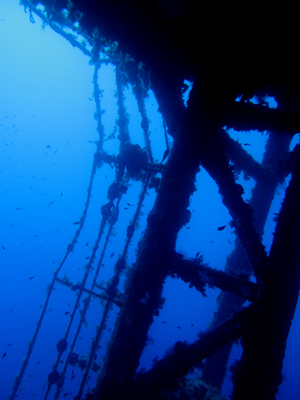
[{"x": 226, "y": 53}]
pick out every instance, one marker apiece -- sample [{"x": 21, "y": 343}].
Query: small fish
[
  {"x": 48, "y": 146},
  {"x": 3, "y": 247},
  {"x": 229, "y": 241},
  {"x": 112, "y": 254},
  {"x": 20, "y": 208},
  {"x": 197, "y": 254},
  {"x": 30, "y": 376},
  {"x": 3, "y": 355},
  {"x": 9, "y": 344},
  {"x": 178, "y": 327},
  {"x": 86, "y": 258},
  {"x": 125, "y": 208},
  {"x": 164, "y": 322},
  {"x": 87, "y": 243},
  {"x": 67, "y": 312},
  {"x": 31, "y": 278},
  {"x": 130, "y": 205},
  {"x": 37, "y": 363},
  {"x": 65, "y": 395},
  {"x": 73, "y": 377},
  {"x": 188, "y": 227},
  {"x": 76, "y": 223},
  {"x": 166, "y": 153},
  {"x": 247, "y": 144},
  {"x": 220, "y": 228}
]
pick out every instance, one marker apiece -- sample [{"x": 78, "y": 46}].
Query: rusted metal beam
[{"x": 259, "y": 372}]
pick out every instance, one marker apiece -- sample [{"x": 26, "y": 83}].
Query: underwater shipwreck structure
[{"x": 230, "y": 56}]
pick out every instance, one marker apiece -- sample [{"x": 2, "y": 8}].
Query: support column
[
  {"x": 144, "y": 286},
  {"x": 258, "y": 374}
]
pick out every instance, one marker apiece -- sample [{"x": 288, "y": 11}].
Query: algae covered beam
[
  {"x": 259, "y": 372},
  {"x": 144, "y": 287},
  {"x": 199, "y": 275},
  {"x": 166, "y": 373},
  {"x": 215, "y": 161},
  {"x": 247, "y": 116}
]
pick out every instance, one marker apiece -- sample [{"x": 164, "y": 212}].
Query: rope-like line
[{"x": 70, "y": 248}]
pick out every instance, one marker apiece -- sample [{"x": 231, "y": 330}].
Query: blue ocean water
[{"x": 48, "y": 138}]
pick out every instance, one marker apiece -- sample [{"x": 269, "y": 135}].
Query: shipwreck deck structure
[{"x": 226, "y": 53}]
